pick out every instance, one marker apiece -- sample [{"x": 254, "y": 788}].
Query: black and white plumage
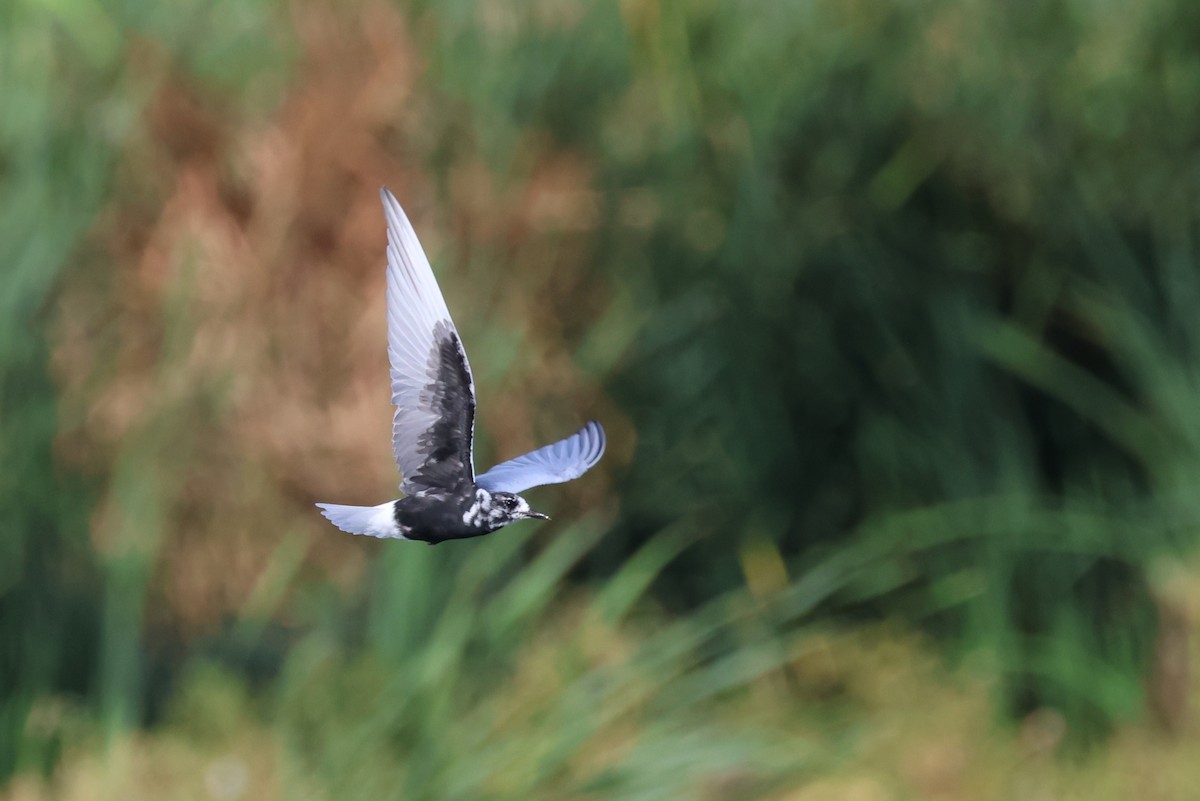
[{"x": 434, "y": 422}]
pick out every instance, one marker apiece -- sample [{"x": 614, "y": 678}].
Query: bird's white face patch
[{"x": 495, "y": 510}]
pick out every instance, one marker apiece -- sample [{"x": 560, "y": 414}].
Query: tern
[{"x": 434, "y": 423}]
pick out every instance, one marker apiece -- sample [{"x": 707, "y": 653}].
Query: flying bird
[{"x": 434, "y": 423}]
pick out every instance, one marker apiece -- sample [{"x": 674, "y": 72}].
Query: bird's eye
[{"x": 510, "y": 502}]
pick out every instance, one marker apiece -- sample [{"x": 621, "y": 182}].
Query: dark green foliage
[
  {"x": 48, "y": 576},
  {"x": 896, "y": 257},
  {"x": 915, "y": 290}
]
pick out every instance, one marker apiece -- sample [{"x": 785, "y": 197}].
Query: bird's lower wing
[{"x": 564, "y": 460}]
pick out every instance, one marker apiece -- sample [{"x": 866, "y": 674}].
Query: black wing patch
[{"x": 446, "y": 445}]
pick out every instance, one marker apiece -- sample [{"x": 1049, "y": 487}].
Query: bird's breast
[{"x": 448, "y": 516}]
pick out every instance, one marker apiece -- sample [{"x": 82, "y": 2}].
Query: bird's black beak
[{"x": 538, "y": 515}]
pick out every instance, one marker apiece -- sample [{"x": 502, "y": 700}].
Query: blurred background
[{"x": 890, "y": 310}]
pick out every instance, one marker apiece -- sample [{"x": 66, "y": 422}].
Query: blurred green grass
[{"x": 889, "y": 311}]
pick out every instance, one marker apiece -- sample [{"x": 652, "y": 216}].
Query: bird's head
[{"x": 515, "y": 507}]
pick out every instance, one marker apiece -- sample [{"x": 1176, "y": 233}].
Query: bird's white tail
[{"x": 373, "y": 521}]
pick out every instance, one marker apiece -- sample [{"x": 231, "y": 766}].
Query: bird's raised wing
[
  {"x": 432, "y": 387},
  {"x": 564, "y": 460}
]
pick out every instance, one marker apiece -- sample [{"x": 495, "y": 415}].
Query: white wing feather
[{"x": 562, "y": 461}]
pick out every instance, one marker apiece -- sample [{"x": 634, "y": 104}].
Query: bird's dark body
[{"x": 437, "y": 517}]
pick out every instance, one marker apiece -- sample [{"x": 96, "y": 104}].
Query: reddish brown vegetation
[{"x": 227, "y": 332}]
